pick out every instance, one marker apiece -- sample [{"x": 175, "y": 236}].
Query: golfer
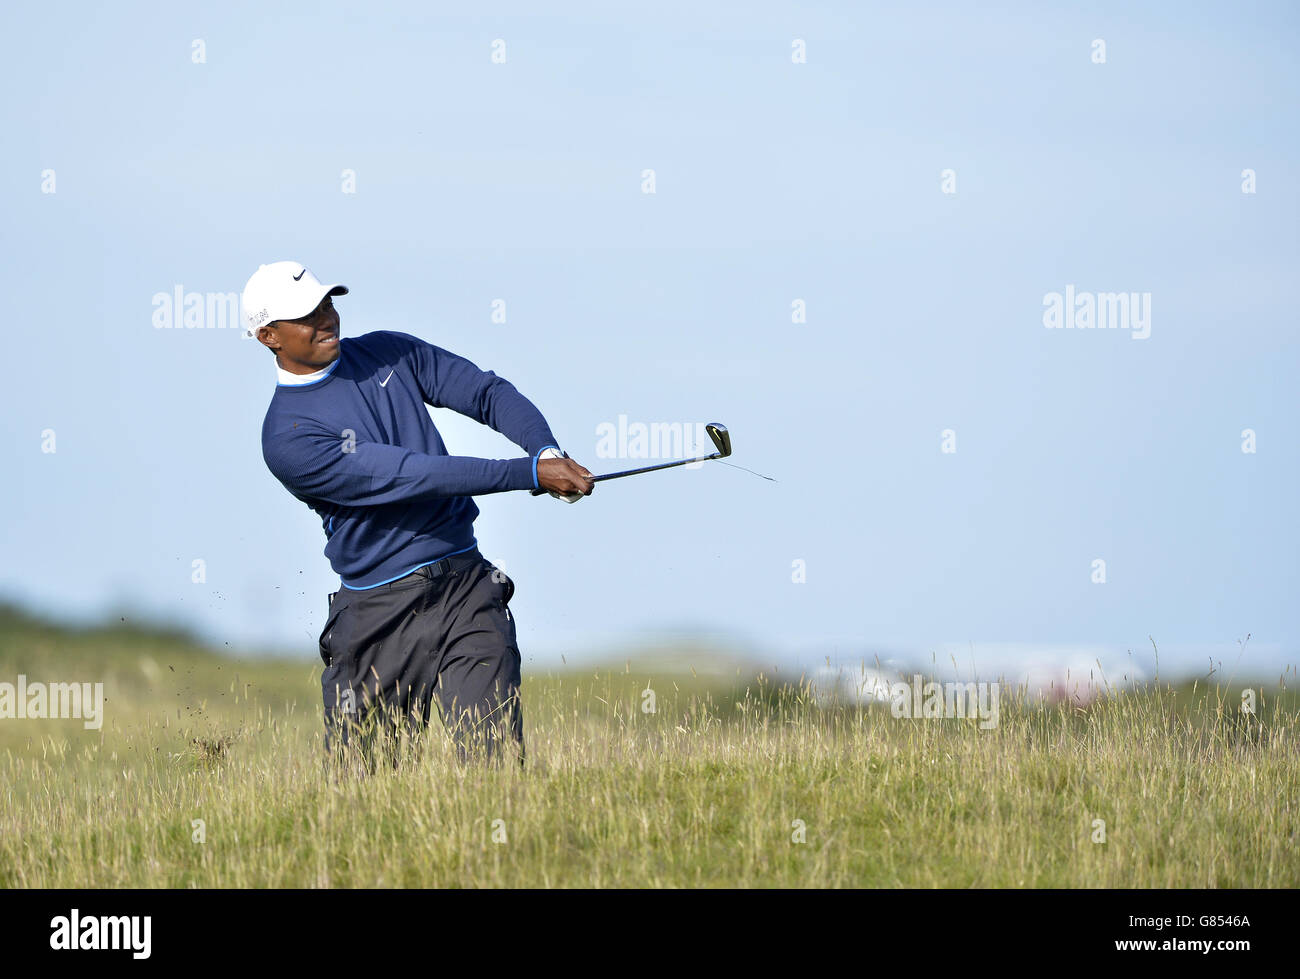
[{"x": 420, "y": 614}]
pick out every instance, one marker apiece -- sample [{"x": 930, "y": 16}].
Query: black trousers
[{"x": 442, "y": 634}]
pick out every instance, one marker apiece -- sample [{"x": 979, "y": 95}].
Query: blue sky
[{"x": 775, "y": 182}]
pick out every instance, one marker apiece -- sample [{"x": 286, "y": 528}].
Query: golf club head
[{"x": 721, "y": 438}]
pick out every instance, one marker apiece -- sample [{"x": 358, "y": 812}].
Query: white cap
[{"x": 283, "y": 291}]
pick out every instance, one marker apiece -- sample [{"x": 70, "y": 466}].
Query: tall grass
[{"x": 730, "y": 782}]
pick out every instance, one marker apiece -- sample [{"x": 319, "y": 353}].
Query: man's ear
[{"x": 268, "y": 338}]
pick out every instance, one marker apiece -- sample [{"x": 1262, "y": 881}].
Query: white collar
[{"x": 292, "y": 380}]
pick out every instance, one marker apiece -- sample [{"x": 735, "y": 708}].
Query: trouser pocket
[
  {"x": 503, "y": 580},
  {"x": 336, "y": 606}
]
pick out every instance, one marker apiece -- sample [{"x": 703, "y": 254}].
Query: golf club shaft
[
  {"x": 650, "y": 469},
  {"x": 644, "y": 469}
]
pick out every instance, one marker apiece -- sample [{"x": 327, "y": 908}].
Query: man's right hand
[{"x": 564, "y": 476}]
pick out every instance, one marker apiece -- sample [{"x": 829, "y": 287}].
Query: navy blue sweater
[{"x": 359, "y": 448}]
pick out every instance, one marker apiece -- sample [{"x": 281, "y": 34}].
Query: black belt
[
  {"x": 426, "y": 572},
  {"x": 435, "y": 570}
]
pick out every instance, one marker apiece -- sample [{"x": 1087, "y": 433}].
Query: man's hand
[{"x": 562, "y": 477}]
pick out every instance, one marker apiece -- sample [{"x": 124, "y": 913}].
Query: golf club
[{"x": 717, "y": 432}]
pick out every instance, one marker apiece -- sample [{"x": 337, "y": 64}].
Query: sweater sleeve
[
  {"x": 322, "y": 466},
  {"x": 450, "y": 381}
]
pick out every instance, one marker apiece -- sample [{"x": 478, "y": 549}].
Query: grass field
[{"x": 704, "y": 791}]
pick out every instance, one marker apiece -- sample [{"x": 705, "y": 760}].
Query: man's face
[{"x": 307, "y": 343}]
